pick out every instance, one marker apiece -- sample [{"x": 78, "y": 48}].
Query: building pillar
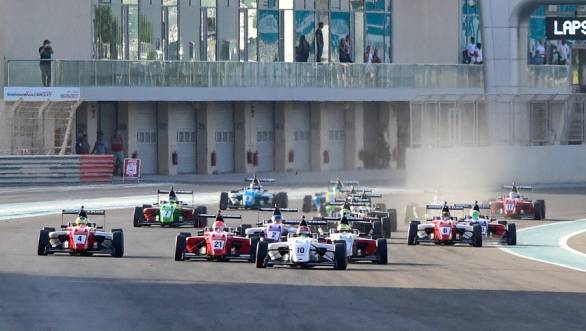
[
  {"x": 390, "y": 129},
  {"x": 282, "y": 143},
  {"x": 318, "y": 136},
  {"x": 354, "y": 137},
  {"x": 244, "y": 136},
  {"x": 87, "y": 121},
  {"x": 206, "y": 143},
  {"x": 166, "y": 142}
]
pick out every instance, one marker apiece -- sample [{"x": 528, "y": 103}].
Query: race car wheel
[
  {"x": 393, "y": 219},
  {"x": 382, "y": 255},
  {"x": 253, "y": 248},
  {"x": 512, "y": 234},
  {"x": 380, "y": 206},
  {"x": 43, "y": 242},
  {"x": 340, "y": 260},
  {"x": 147, "y": 206},
  {"x": 49, "y": 229},
  {"x": 538, "y": 210},
  {"x": 306, "y": 204},
  {"x": 281, "y": 200},
  {"x": 502, "y": 223},
  {"x": 242, "y": 229},
  {"x": 138, "y": 216},
  {"x": 377, "y": 229},
  {"x": 386, "y": 228},
  {"x": 262, "y": 251},
  {"x": 185, "y": 234},
  {"x": 412, "y": 234},
  {"x": 476, "y": 235},
  {"x": 541, "y": 209},
  {"x": 117, "y": 243},
  {"x": 180, "y": 247},
  {"x": 224, "y": 200}
]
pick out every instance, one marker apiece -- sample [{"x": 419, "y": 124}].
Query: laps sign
[
  {"x": 566, "y": 28},
  {"x": 132, "y": 168}
]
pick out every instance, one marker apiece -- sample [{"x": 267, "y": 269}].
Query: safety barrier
[{"x": 33, "y": 169}]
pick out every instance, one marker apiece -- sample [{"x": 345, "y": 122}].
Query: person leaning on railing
[{"x": 117, "y": 144}]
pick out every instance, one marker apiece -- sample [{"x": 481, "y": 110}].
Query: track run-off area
[{"x": 537, "y": 285}]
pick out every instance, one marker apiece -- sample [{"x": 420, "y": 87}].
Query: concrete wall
[
  {"x": 426, "y": 31},
  {"x": 494, "y": 166}
]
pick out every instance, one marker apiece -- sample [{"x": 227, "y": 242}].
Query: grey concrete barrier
[{"x": 33, "y": 169}]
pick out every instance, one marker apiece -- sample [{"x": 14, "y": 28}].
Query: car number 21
[{"x": 218, "y": 244}]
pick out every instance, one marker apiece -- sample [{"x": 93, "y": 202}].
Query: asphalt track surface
[{"x": 422, "y": 288}]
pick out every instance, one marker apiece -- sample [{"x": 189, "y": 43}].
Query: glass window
[
  {"x": 470, "y": 34},
  {"x": 227, "y": 30},
  {"x": 171, "y": 32},
  {"x": 341, "y": 43},
  {"x": 376, "y": 35},
  {"x": 305, "y": 26},
  {"x": 189, "y": 31},
  {"x": 151, "y": 47},
  {"x": 208, "y": 32},
  {"x": 108, "y": 31},
  {"x": 268, "y": 35}
]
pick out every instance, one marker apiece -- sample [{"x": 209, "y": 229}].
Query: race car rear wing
[
  {"x": 351, "y": 203},
  {"x": 344, "y": 182},
  {"x": 177, "y": 192},
  {"x": 92, "y": 212},
  {"x": 350, "y": 219},
  {"x": 469, "y": 205},
  {"x": 236, "y": 217},
  {"x": 440, "y": 207},
  {"x": 519, "y": 187},
  {"x": 284, "y": 210},
  {"x": 356, "y": 190},
  {"x": 262, "y": 180},
  {"x": 315, "y": 221}
]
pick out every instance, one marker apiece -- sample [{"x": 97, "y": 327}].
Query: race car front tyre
[
  {"x": 511, "y": 234},
  {"x": 253, "y": 248},
  {"x": 382, "y": 256},
  {"x": 281, "y": 200},
  {"x": 138, "y": 215},
  {"x": 180, "y": 240},
  {"x": 380, "y": 206},
  {"x": 412, "y": 234},
  {"x": 224, "y": 200},
  {"x": 538, "y": 210},
  {"x": 262, "y": 252},
  {"x": 117, "y": 243},
  {"x": 476, "y": 235},
  {"x": 386, "y": 227},
  {"x": 43, "y": 242},
  {"x": 340, "y": 260},
  {"x": 306, "y": 204},
  {"x": 377, "y": 229}
]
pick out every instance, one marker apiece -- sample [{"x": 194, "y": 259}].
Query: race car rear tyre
[
  {"x": 502, "y": 223},
  {"x": 138, "y": 216},
  {"x": 340, "y": 259},
  {"x": 242, "y": 229},
  {"x": 224, "y": 200},
  {"x": 117, "y": 243},
  {"x": 147, "y": 206},
  {"x": 393, "y": 218},
  {"x": 380, "y": 206},
  {"x": 306, "y": 204},
  {"x": 382, "y": 256},
  {"x": 43, "y": 242},
  {"x": 377, "y": 229},
  {"x": 386, "y": 228},
  {"x": 180, "y": 247},
  {"x": 512, "y": 234},
  {"x": 281, "y": 200},
  {"x": 185, "y": 234},
  {"x": 262, "y": 252},
  {"x": 476, "y": 235},
  {"x": 412, "y": 234},
  {"x": 253, "y": 248},
  {"x": 538, "y": 209},
  {"x": 201, "y": 209},
  {"x": 49, "y": 229}
]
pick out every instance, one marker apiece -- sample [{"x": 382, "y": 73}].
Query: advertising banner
[{"x": 14, "y": 93}]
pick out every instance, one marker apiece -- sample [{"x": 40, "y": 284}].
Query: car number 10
[{"x": 300, "y": 250}]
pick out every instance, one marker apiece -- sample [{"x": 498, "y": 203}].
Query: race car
[
  {"x": 274, "y": 229},
  {"x": 358, "y": 248},
  {"x": 515, "y": 205},
  {"x": 444, "y": 229},
  {"x": 302, "y": 249},
  {"x": 172, "y": 212},
  {"x": 253, "y": 197},
  {"x": 318, "y": 201},
  {"x": 377, "y": 222},
  {"x": 218, "y": 243},
  {"x": 500, "y": 231},
  {"x": 81, "y": 237}
]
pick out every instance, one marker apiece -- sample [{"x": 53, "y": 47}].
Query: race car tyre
[
  {"x": 538, "y": 210},
  {"x": 49, "y": 229},
  {"x": 512, "y": 234},
  {"x": 253, "y": 248},
  {"x": 380, "y": 206},
  {"x": 382, "y": 255},
  {"x": 147, "y": 206},
  {"x": 377, "y": 229},
  {"x": 502, "y": 223},
  {"x": 242, "y": 229},
  {"x": 201, "y": 209},
  {"x": 180, "y": 247},
  {"x": 281, "y": 200},
  {"x": 137, "y": 219},
  {"x": 386, "y": 228},
  {"x": 117, "y": 243},
  {"x": 43, "y": 242},
  {"x": 340, "y": 260},
  {"x": 322, "y": 210},
  {"x": 185, "y": 234},
  {"x": 393, "y": 218},
  {"x": 412, "y": 234},
  {"x": 262, "y": 251},
  {"x": 224, "y": 200},
  {"x": 476, "y": 235},
  {"x": 306, "y": 204}
]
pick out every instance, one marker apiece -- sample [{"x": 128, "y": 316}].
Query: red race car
[
  {"x": 216, "y": 244},
  {"x": 81, "y": 237},
  {"x": 515, "y": 205}
]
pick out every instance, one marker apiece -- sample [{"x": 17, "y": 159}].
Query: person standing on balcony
[
  {"x": 539, "y": 53},
  {"x": 368, "y": 54},
  {"x": 349, "y": 48},
  {"x": 375, "y": 57},
  {"x": 319, "y": 41},
  {"x": 470, "y": 51},
  {"x": 302, "y": 50},
  {"x": 564, "y": 51},
  {"x": 342, "y": 51},
  {"x": 478, "y": 56},
  {"x": 45, "y": 53}
]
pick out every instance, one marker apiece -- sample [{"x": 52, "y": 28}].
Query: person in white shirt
[
  {"x": 539, "y": 53},
  {"x": 471, "y": 50},
  {"x": 368, "y": 55},
  {"x": 564, "y": 51},
  {"x": 478, "y": 56}
]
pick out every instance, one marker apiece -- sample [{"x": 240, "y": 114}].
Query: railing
[
  {"x": 105, "y": 73},
  {"x": 548, "y": 76}
]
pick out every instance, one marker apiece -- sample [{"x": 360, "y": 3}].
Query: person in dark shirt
[
  {"x": 45, "y": 53},
  {"x": 319, "y": 41}
]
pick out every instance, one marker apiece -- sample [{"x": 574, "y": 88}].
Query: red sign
[{"x": 131, "y": 168}]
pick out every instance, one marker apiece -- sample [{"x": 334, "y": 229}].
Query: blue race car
[
  {"x": 254, "y": 196},
  {"x": 320, "y": 201}
]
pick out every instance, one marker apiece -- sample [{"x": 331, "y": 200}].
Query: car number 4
[{"x": 80, "y": 239}]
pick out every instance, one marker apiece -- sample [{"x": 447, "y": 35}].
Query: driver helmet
[
  {"x": 475, "y": 215},
  {"x": 81, "y": 221},
  {"x": 344, "y": 225},
  {"x": 513, "y": 195},
  {"x": 218, "y": 226},
  {"x": 172, "y": 196},
  {"x": 476, "y": 206},
  {"x": 277, "y": 218},
  {"x": 303, "y": 230},
  {"x": 255, "y": 183},
  {"x": 446, "y": 210}
]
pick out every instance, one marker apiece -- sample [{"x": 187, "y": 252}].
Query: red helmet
[{"x": 218, "y": 226}]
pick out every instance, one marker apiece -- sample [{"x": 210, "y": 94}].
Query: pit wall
[{"x": 489, "y": 167}]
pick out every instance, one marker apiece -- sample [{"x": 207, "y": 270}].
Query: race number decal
[
  {"x": 274, "y": 235},
  {"x": 218, "y": 244},
  {"x": 80, "y": 239},
  {"x": 510, "y": 206},
  {"x": 300, "y": 250},
  {"x": 446, "y": 230},
  {"x": 167, "y": 213}
]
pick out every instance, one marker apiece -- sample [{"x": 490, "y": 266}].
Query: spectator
[
  {"x": 375, "y": 57},
  {"x": 118, "y": 151},
  {"x": 100, "y": 147},
  {"x": 368, "y": 54},
  {"x": 302, "y": 50},
  {"x": 539, "y": 54},
  {"x": 45, "y": 53},
  {"x": 85, "y": 149},
  {"x": 319, "y": 41},
  {"x": 349, "y": 48},
  {"x": 470, "y": 51},
  {"x": 478, "y": 55},
  {"x": 79, "y": 143},
  {"x": 564, "y": 51},
  {"x": 342, "y": 51}
]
